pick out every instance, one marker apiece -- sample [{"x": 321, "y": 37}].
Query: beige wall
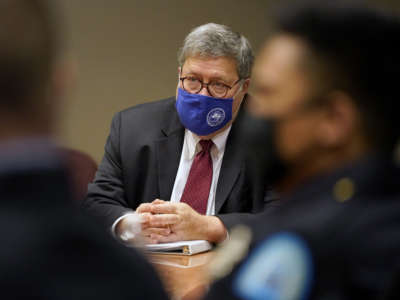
[{"x": 126, "y": 53}]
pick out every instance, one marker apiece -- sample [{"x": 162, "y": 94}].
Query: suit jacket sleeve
[
  {"x": 106, "y": 197},
  {"x": 270, "y": 203}
]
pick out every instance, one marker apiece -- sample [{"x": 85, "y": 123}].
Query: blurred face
[
  {"x": 221, "y": 70},
  {"x": 282, "y": 91}
]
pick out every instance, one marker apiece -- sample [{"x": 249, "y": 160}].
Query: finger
[
  {"x": 159, "y": 231},
  {"x": 145, "y": 217},
  {"x": 149, "y": 240},
  {"x": 145, "y": 221},
  {"x": 155, "y": 238},
  {"x": 144, "y": 207},
  {"x": 164, "y": 208},
  {"x": 168, "y": 239},
  {"x": 164, "y": 220},
  {"x": 158, "y": 201}
]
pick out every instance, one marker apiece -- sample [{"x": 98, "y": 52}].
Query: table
[{"x": 182, "y": 274}]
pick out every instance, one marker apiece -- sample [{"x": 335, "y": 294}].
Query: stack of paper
[{"x": 183, "y": 247}]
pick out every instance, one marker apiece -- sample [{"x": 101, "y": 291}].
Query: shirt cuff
[{"x": 114, "y": 225}]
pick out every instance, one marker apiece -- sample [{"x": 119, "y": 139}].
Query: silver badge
[{"x": 215, "y": 117}]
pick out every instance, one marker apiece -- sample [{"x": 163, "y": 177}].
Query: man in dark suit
[
  {"x": 174, "y": 162},
  {"x": 48, "y": 250},
  {"x": 326, "y": 117}
]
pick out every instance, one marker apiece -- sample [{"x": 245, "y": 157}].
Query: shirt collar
[
  {"x": 192, "y": 142},
  {"x": 220, "y": 139}
]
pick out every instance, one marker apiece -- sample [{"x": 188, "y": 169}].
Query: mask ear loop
[
  {"x": 240, "y": 88},
  {"x": 238, "y": 91}
]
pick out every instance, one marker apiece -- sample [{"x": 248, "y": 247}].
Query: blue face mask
[{"x": 201, "y": 114}]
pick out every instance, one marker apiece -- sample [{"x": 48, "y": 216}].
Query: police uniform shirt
[{"x": 337, "y": 237}]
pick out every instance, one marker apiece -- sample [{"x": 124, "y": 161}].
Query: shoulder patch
[{"x": 280, "y": 268}]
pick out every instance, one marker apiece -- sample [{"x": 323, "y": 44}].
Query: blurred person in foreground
[
  {"x": 175, "y": 162},
  {"x": 47, "y": 250},
  {"x": 326, "y": 121}
]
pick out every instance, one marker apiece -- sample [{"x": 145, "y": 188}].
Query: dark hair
[
  {"x": 359, "y": 48},
  {"x": 28, "y": 45}
]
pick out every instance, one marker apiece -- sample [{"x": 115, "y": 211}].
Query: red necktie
[{"x": 197, "y": 188}]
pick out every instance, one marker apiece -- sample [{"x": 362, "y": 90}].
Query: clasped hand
[{"x": 164, "y": 221}]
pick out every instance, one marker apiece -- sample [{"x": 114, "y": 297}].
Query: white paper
[{"x": 196, "y": 245}]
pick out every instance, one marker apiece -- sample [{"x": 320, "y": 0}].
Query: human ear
[
  {"x": 179, "y": 72},
  {"x": 245, "y": 86},
  {"x": 63, "y": 76},
  {"x": 339, "y": 121}
]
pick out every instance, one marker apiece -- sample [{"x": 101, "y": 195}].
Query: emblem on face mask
[{"x": 215, "y": 117}]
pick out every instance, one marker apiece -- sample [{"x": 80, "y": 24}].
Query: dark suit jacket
[
  {"x": 141, "y": 161},
  {"x": 49, "y": 251}
]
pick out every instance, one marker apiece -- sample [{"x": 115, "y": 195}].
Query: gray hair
[{"x": 217, "y": 40}]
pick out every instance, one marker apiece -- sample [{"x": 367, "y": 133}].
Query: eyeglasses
[{"x": 216, "y": 89}]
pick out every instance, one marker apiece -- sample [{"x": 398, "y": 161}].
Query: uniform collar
[
  {"x": 373, "y": 174},
  {"x": 28, "y": 153}
]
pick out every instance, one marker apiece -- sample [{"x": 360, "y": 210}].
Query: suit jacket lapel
[
  {"x": 232, "y": 164},
  {"x": 168, "y": 151}
]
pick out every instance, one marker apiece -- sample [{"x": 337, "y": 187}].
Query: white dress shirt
[{"x": 190, "y": 148}]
